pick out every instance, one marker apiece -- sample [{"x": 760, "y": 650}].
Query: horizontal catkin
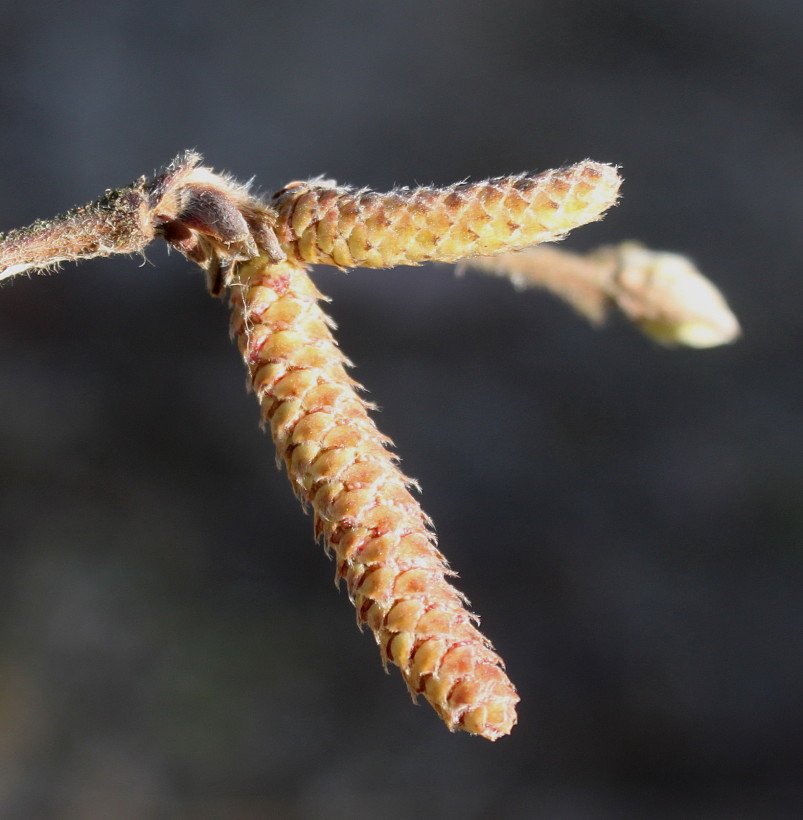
[
  {"x": 319, "y": 223},
  {"x": 339, "y": 463}
]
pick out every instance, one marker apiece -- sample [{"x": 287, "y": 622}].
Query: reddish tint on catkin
[{"x": 339, "y": 463}]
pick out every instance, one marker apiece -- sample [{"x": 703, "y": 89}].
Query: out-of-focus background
[{"x": 627, "y": 519}]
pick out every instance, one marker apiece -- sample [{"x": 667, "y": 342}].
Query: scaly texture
[
  {"x": 320, "y": 223},
  {"x": 339, "y": 463}
]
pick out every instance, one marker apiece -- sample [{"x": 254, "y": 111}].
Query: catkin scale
[{"x": 339, "y": 463}]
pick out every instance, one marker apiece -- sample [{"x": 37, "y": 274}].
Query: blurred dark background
[{"x": 628, "y": 520}]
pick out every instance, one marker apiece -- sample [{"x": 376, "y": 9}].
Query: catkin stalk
[{"x": 340, "y": 464}]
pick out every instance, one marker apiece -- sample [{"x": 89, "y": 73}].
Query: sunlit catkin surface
[{"x": 318, "y": 222}]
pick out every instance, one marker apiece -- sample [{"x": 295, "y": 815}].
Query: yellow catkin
[
  {"x": 318, "y": 222},
  {"x": 339, "y": 463}
]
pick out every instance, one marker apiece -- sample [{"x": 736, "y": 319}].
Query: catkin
[
  {"x": 340, "y": 464},
  {"x": 320, "y": 223}
]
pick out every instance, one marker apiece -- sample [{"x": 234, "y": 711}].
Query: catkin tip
[{"x": 604, "y": 181}]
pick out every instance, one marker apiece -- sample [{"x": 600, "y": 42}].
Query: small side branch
[{"x": 662, "y": 293}]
